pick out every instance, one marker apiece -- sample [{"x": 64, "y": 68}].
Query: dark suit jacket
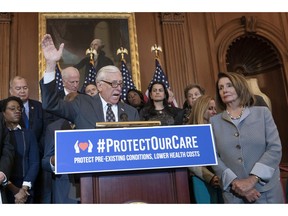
[
  {"x": 180, "y": 117},
  {"x": 6, "y": 154},
  {"x": 27, "y": 161},
  {"x": 27, "y": 155},
  {"x": 60, "y": 184},
  {"x": 36, "y": 120},
  {"x": 84, "y": 110},
  {"x": 50, "y": 117},
  {"x": 260, "y": 101},
  {"x": 37, "y": 125}
]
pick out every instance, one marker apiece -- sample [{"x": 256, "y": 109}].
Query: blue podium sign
[{"x": 119, "y": 149}]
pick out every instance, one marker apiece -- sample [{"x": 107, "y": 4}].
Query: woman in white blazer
[{"x": 247, "y": 143}]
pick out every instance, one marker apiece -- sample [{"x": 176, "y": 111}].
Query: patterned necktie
[{"x": 110, "y": 117}]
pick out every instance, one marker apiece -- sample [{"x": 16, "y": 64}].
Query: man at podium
[
  {"x": 169, "y": 185},
  {"x": 85, "y": 110}
]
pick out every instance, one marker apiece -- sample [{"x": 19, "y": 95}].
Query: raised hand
[{"x": 51, "y": 54}]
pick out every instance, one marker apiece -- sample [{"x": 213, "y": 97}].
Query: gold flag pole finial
[
  {"x": 156, "y": 49},
  {"x": 122, "y": 51},
  {"x": 91, "y": 51}
]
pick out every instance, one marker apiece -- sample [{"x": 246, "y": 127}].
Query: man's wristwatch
[{"x": 258, "y": 179}]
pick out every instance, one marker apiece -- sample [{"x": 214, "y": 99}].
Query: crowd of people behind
[{"x": 248, "y": 162}]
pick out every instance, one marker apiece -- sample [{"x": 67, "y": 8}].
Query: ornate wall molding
[
  {"x": 5, "y": 17},
  {"x": 252, "y": 54},
  {"x": 250, "y": 23},
  {"x": 5, "y": 27},
  {"x": 174, "y": 38},
  {"x": 239, "y": 27},
  {"x": 172, "y": 18}
]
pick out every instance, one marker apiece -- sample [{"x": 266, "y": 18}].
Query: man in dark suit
[
  {"x": 6, "y": 159},
  {"x": 70, "y": 79},
  {"x": 32, "y": 116},
  {"x": 64, "y": 186},
  {"x": 85, "y": 110}
]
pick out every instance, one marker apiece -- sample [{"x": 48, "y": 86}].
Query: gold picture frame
[{"x": 77, "y": 30}]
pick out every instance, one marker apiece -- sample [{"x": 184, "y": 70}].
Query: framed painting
[{"x": 78, "y": 30}]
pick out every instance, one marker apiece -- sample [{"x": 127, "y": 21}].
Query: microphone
[{"x": 123, "y": 117}]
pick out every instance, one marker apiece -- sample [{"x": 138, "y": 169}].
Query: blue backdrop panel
[{"x": 103, "y": 150}]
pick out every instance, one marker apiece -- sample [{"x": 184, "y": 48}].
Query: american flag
[
  {"x": 58, "y": 77},
  {"x": 159, "y": 76},
  {"x": 91, "y": 78},
  {"x": 127, "y": 81}
]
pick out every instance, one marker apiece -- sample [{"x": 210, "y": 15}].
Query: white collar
[{"x": 18, "y": 127}]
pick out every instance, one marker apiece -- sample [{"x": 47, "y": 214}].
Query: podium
[{"x": 138, "y": 186}]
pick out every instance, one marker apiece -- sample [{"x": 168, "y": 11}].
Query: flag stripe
[
  {"x": 159, "y": 76},
  {"x": 90, "y": 78},
  {"x": 127, "y": 80},
  {"x": 58, "y": 78}
]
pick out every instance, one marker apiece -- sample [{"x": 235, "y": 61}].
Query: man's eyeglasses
[{"x": 114, "y": 84}]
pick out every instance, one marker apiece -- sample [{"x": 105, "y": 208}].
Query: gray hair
[
  {"x": 101, "y": 44},
  {"x": 65, "y": 72},
  {"x": 103, "y": 73},
  {"x": 17, "y": 78}
]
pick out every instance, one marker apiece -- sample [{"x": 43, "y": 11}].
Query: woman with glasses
[{"x": 27, "y": 161}]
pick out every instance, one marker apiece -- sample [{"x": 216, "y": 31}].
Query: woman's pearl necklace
[{"x": 237, "y": 117}]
